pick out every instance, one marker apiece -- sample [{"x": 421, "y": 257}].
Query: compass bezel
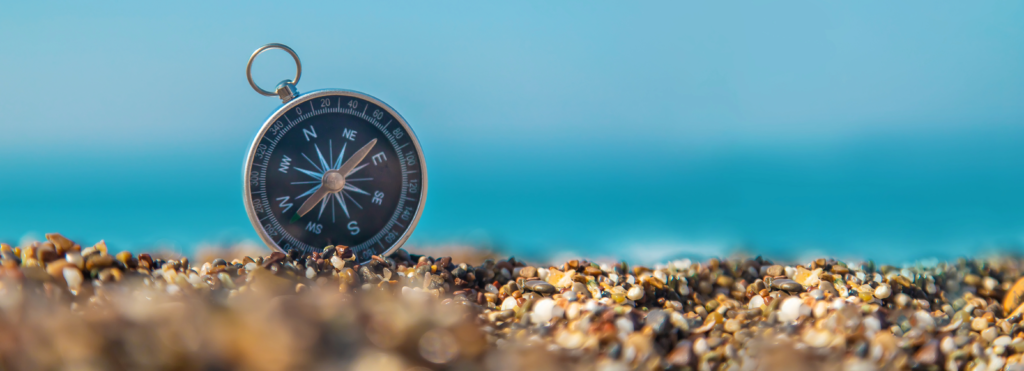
[{"x": 276, "y": 115}]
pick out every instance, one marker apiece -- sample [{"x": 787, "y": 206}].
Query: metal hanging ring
[{"x": 248, "y": 67}]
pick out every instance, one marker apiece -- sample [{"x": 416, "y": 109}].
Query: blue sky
[{"x": 603, "y": 128}]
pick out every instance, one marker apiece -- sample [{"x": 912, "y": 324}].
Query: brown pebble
[
  {"x": 61, "y": 243},
  {"x": 98, "y": 262},
  {"x": 776, "y": 270},
  {"x": 275, "y": 257},
  {"x": 528, "y": 272}
]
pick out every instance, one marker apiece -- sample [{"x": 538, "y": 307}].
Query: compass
[{"x": 333, "y": 167}]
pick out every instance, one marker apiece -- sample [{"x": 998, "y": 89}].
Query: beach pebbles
[{"x": 63, "y": 306}]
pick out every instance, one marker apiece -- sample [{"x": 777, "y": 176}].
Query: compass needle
[{"x": 294, "y": 166}]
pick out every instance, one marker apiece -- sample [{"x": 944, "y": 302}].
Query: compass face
[{"x": 298, "y": 158}]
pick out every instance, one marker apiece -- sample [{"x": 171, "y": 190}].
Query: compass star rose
[{"x": 328, "y": 175}]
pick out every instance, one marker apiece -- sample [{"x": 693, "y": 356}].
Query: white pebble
[
  {"x": 756, "y": 302},
  {"x": 792, "y": 308},
  {"x": 624, "y": 325},
  {"x": 336, "y": 261},
  {"x": 947, "y": 345},
  {"x": 74, "y": 277},
  {"x": 923, "y": 321},
  {"x": 250, "y": 267},
  {"x": 310, "y": 273},
  {"x": 700, "y": 347},
  {"x": 573, "y": 312},
  {"x": 509, "y": 303},
  {"x": 75, "y": 258},
  {"x": 990, "y": 283},
  {"x": 542, "y": 310},
  {"x": 635, "y": 293},
  {"x": 543, "y": 273},
  {"x": 1002, "y": 341},
  {"x": 883, "y": 291},
  {"x": 820, "y": 309}
]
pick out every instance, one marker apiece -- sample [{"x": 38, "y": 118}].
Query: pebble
[
  {"x": 792, "y": 308},
  {"x": 540, "y": 286},
  {"x": 544, "y": 311},
  {"x": 733, "y": 325},
  {"x": 787, "y": 285},
  {"x": 979, "y": 324},
  {"x": 755, "y": 302},
  {"x": 883, "y": 291},
  {"x": 528, "y": 272},
  {"x": 1002, "y": 341},
  {"x": 989, "y": 334},
  {"x": 73, "y": 277},
  {"x": 509, "y": 303},
  {"x": 635, "y": 293},
  {"x": 947, "y": 345}
]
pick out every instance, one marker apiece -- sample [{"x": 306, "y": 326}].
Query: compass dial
[{"x": 335, "y": 168}]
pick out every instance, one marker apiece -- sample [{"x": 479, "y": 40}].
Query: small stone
[
  {"x": 570, "y": 339},
  {"x": 591, "y": 270},
  {"x": 544, "y": 311},
  {"x": 724, "y": 281},
  {"x": 540, "y": 286},
  {"x": 733, "y": 325},
  {"x": 73, "y": 277},
  {"x": 1002, "y": 341},
  {"x": 817, "y": 338},
  {"x": 755, "y": 302},
  {"x": 947, "y": 345},
  {"x": 700, "y": 347},
  {"x": 989, "y": 334},
  {"x": 635, "y": 293},
  {"x": 787, "y": 285},
  {"x": 681, "y": 355},
  {"x": 979, "y": 324},
  {"x": 776, "y": 270},
  {"x": 902, "y": 300},
  {"x": 337, "y": 262},
  {"x": 792, "y": 308},
  {"x": 658, "y": 320},
  {"x": 928, "y": 354},
  {"x": 972, "y": 279},
  {"x": 219, "y": 262},
  {"x": 883, "y": 291},
  {"x": 96, "y": 261},
  {"x": 989, "y": 283},
  {"x": 509, "y": 304},
  {"x": 527, "y": 272},
  {"x": 61, "y": 243},
  {"x": 125, "y": 257}
]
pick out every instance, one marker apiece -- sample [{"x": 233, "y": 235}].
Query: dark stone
[
  {"x": 658, "y": 320},
  {"x": 219, "y": 262},
  {"x": 540, "y": 286},
  {"x": 787, "y": 285}
]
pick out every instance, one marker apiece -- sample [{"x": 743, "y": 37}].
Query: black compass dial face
[{"x": 299, "y": 162}]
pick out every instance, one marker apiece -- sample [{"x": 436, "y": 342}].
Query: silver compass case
[{"x": 333, "y": 167}]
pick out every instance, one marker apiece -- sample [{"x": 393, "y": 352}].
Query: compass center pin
[{"x": 334, "y": 181}]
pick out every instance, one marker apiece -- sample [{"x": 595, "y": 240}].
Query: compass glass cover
[{"x": 381, "y": 195}]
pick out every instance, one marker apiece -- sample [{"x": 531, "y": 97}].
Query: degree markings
[{"x": 314, "y": 112}]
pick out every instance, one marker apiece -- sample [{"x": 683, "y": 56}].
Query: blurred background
[{"x": 892, "y": 131}]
